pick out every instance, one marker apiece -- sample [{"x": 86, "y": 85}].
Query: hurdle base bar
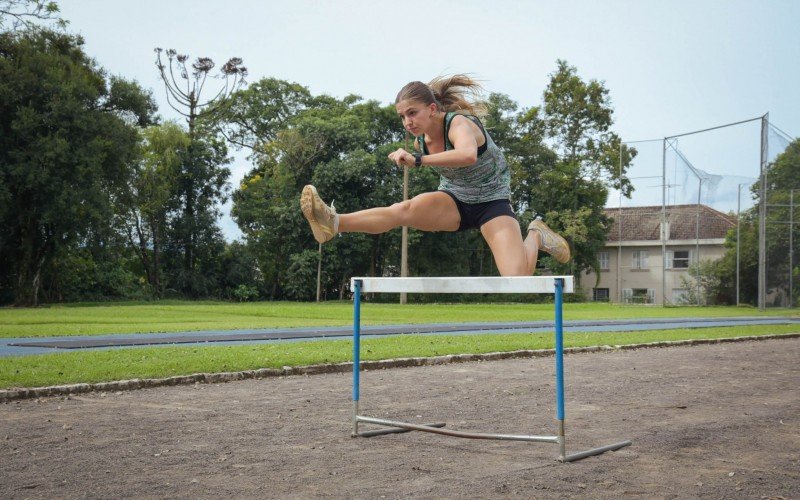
[
  {"x": 449, "y": 432},
  {"x": 594, "y": 451},
  {"x": 394, "y": 430}
]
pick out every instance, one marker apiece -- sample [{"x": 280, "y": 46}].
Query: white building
[{"x": 631, "y": 262}]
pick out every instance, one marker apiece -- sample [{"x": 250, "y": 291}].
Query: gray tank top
[{"x": 487, "y": 179}]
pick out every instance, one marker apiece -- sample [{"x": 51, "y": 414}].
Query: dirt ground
[{"x": 712, "y": 421}]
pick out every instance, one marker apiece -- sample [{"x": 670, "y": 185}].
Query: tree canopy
[{"x": 64, "y": 149}]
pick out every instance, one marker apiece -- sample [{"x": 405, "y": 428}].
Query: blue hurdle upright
[{"x": 556, "y": 285}]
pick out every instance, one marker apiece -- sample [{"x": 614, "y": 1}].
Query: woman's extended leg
[
  {"x": 435, "y": 211},
  {"x": 513, "y": 256}
]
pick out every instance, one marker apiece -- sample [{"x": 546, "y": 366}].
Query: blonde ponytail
[{"x": 458, "y": 93}]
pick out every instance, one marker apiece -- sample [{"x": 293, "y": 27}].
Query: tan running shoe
[
  {"x": 321, "y": 217},
  {"x": 552, "y": 242}
]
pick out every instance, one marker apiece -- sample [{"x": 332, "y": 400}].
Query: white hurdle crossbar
[{"x": 557, "y": 285}]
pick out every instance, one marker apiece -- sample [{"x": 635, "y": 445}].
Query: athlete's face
[{"x": 417, "y": 117}]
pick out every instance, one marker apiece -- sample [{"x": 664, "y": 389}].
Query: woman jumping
[{"x": 475, "y": 183}]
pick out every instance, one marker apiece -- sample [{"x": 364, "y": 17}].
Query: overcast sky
[{"x": 671, "y": 67}]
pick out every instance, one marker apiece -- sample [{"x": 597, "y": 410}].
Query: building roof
[{"x": 643, "y": 223}]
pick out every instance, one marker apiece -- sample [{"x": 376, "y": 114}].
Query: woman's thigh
[
  {"x": 434, "y": 211},
  {"x": 505, "y": 240}
]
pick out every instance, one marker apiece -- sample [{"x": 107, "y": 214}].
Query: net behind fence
[{"x": 695, "y": 207}]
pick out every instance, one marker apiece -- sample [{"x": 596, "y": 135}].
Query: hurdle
[{"x": 557, "y": 285}]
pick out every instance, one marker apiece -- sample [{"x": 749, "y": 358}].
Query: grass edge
[{"x": 7, "y": 395}]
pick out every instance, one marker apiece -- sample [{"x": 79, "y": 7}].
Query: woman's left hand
[{"x": 401, "y": 157}]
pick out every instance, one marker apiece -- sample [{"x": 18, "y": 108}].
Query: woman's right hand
[{"x": 402, "y": 158}]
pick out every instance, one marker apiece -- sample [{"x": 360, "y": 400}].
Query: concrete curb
[{"x": 7, "y": 395}]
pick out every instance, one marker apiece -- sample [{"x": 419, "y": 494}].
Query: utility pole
[
  {"x": 738, "y": 236},
  {"x": 404, "y": 233},
  {"x": 791, "y": 248},
  {"x": 762, "y": 218},
  {"x": 697, "y": 239},
  {"x": 619, "y": 235},
  {"x": 664, "y": 222},
  {"x": 319, "y": 272},
  {"x": 404, "y": 239}
]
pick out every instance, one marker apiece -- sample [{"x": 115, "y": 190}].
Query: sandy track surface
[{"x": 706, "y": 421}]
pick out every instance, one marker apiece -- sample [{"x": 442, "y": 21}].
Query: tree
[
  {"x": 65, "y": 149},
  {"x": 23, "y": 14},
  {"x": 240, "y": 276},
  {"x": 199, "y": 180},
  {"x": 254, "y": 116},
  {"x": 99, "y": 266},
  {"x": 206, "y": 183},
  {"x": 189, "y": 102},
  {"x": 703, "y": 284},
  {"x": 577, "y": 117},
  {"x": 145, "y": 210}
]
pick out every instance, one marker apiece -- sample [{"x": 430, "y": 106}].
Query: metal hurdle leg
[
  {"x": 559, "y": 333},
  {"x": 356, "y": 377},
  {"x": 356, "y": 352},
  {"x": 563, "y": 457}
]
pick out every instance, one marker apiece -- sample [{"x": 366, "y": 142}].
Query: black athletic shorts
[{"x": 474, "y": 215}]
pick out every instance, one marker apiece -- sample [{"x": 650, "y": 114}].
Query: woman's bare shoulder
[{"x": 461, "y": 124}]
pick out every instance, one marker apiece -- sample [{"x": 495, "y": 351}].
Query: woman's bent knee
[{"x": 402, "y": 212}]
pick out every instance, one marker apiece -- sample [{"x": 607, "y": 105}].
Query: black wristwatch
[{"x": 417, "y": 159}]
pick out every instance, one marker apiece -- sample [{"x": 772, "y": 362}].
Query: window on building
[
  {"x": 639, "y": 259},
  {"x": 680, "y": 296},
  {"x": 639, "y": 295},
  {"x": 600, "y": 294},
  {"x": 679, "y": 259},
  {"x": 602, "y": 257}
]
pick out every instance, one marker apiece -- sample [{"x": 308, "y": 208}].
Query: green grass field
[
  {"x": 108, "y": 365},
  {"x": 169, "y": 316}
]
